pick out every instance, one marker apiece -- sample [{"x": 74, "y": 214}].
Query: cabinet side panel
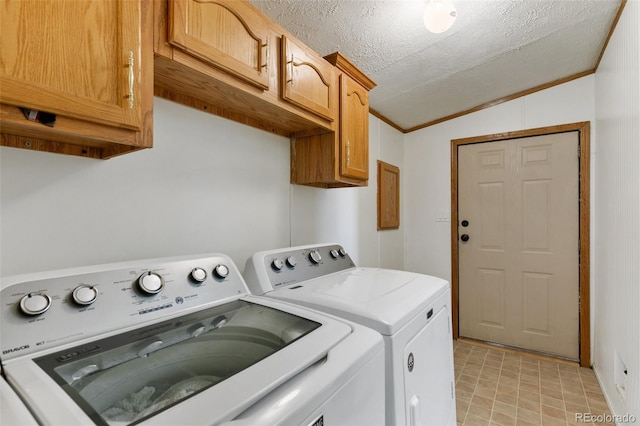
[{"x": 313, "y": 159}]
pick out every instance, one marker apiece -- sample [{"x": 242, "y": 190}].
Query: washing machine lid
[
  {"x": 382, "y": 299},
  {"x": 217, "y": 362},
  {"x": 13, "y": 412}
]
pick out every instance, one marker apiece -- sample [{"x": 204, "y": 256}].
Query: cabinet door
[
  {"x": 229, "y": 35},
  {"x": 307, "y": 79},
  {"x": 79, "y": 59},
  {"x": 354, "y": 129}
]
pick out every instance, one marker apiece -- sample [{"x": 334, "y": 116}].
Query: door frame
[{"x": 583, "y": 129}]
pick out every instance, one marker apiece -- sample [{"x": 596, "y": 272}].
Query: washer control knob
[
  {"x": 197, "y": 330},
  {"x": 199, "y": 275},
  {"x": 314, "y": 257},
  {"x": 277, "y": 264},
  {"x": 291, "y": 262},
  {"x": 221, "y": 271},
  {"x": 84, "y": 294},
  {"x": 35, "y": 303},
  {"x": 334, "y": 253},
  {"x": 150, "y": 283},
  {"x": 342, "y": 252},
  {"x": 151, "y": 347}
]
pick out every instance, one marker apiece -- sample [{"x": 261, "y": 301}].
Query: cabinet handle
[
  {"x": 131, "y": 79},
  {"x": 348, "y": 152},
  {"x": 290, "y": 81},
  {"x": 266, "y": 55}
]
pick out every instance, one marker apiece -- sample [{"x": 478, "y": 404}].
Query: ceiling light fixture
[{"x": 439, "y": 15}]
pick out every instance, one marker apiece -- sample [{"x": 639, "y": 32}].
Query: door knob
[{"x": 464, "y": 237}]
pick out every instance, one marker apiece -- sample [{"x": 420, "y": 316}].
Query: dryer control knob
[
  {"x": 221, "y": 271},
  {"x": 150, "y": 283},
  {"x": 35, "y": 303},
  {"x": 199, "y": 275},
  {"x": 291, "y": 262},
  {"x": 334, "y": 253},
  {"x": 84, "y": 294},
  {"x": 342, "y": 252},
  {"x": 277, "y": 264},
  {"x": 314, "y": 257}
]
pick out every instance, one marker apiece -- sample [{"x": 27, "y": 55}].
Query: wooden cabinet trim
[{"x": 347, "y": 67}]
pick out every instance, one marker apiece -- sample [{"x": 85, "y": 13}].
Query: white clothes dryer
[
  {"x": 180, "y": 341},
  {"x": 411, "y": 311}
]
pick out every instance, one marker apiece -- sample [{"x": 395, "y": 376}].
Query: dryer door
[{"x": 428, "y": 374}]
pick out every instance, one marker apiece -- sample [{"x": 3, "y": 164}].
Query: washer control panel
[
  {"x": 50, "y": 309},
  {"x": 293, "y": 265}
]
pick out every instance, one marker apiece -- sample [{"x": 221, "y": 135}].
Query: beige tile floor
[{"x": 504, "y": 387}]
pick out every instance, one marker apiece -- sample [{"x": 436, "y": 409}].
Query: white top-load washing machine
[
  {"x": 180, "y": 341},
  {"x": 411, "y": 311}
]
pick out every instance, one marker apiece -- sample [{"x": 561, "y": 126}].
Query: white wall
[
  {"x": 427, "y": 163},
  {"x": 207, "y": 185},
  {"x": 617, "y": 237},
  {"x": 428, "y": 166},
  {"x": 610, "y": 100}
]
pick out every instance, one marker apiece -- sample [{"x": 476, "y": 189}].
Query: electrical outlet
[
  {"x": 620, "y": 376},
  {"x": 443, "y": 216}
]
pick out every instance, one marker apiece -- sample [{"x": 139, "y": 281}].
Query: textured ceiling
[{"x": 496, "y": 48}]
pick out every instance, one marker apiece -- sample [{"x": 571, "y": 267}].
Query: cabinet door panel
[
  {"x": 226, "y": 34},
  {"x": 354, "y": 129},
  {"x": 307, "y": 80},
  {"x": 79, "y": 59}
]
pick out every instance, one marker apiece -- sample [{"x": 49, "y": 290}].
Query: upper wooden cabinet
[
  {"x": 223, "y": 57},
  {"x": 341, "y": 158},
  {"x": 227, "y": 34},
  {"x": 87, "y": 62},
  {"x": 354, "y": 129},
  {"x": 226, "y": 58},
  {"x": 307, "y": 79}
]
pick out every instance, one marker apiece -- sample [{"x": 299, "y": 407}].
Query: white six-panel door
[{"x": 519, "y": 266}]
